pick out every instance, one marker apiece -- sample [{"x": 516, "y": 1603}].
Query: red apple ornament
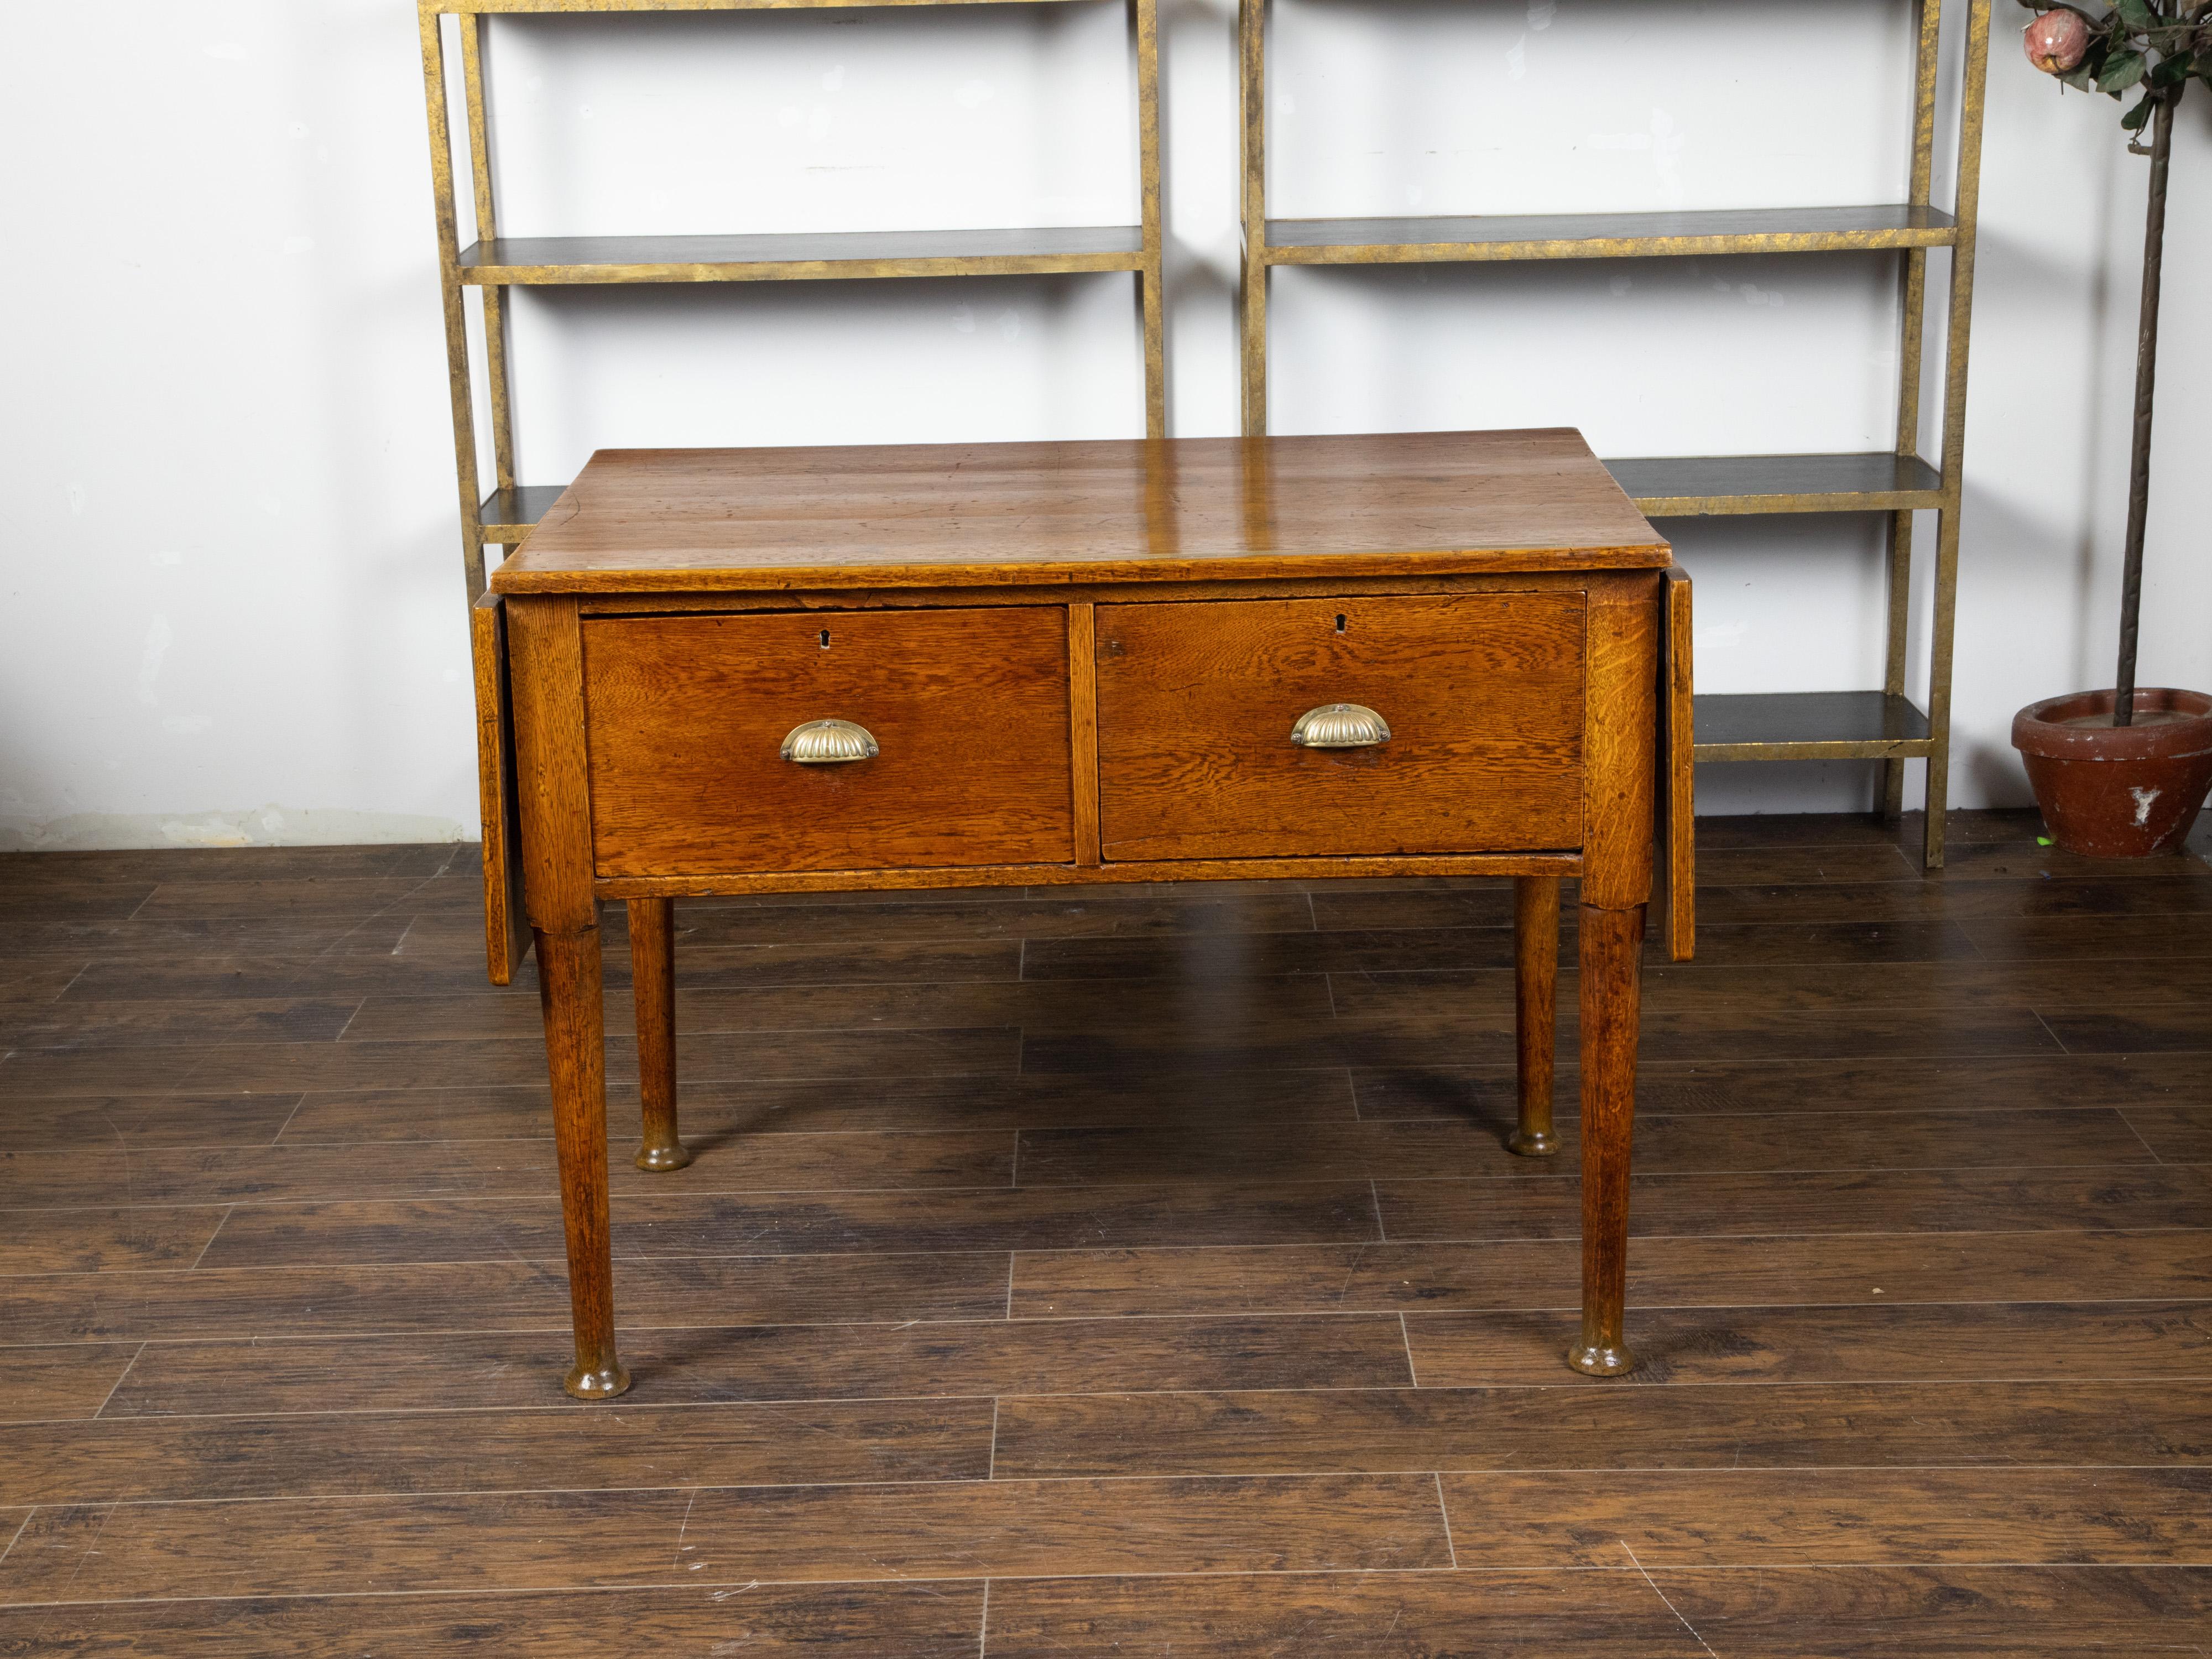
[{"x": 2056, "y": 41}]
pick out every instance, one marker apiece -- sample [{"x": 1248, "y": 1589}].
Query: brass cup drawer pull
[
  {"x": 1340, "y": 725},
  {"x": 829, "y": 743}
]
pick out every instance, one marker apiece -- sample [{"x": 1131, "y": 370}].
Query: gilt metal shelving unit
[
  {"x": 502, "y": 516},
  {"x": 1886, "y": 724}
]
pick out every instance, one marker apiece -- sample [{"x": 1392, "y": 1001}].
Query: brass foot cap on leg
[
  {"x": 1532, "y": 1143},
  {"x": 1614, "y": 1361},
  {"x": 673, "y": 1156},
  {"x": 603, "y": 1383}
]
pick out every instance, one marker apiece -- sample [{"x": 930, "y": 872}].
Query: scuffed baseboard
[{"x": 255, "y": 826}]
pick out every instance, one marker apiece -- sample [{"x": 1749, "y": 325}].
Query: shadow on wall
[
  {"x": 2007, "y": 553},
  {"x": 1726, "y": 788},
  {"x": 2012, "y": 278},
  {"x": 606, "y": 119},
  {"x": 1995, "y": 771},
  {"x": 942, "y": 360},
  {"x": 1622, "y": 348}
]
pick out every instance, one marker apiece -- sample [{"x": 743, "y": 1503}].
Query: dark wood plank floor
[{"x": 1097, "y": 1273}]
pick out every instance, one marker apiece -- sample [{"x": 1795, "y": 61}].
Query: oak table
[{"x": 777, "y": 671}]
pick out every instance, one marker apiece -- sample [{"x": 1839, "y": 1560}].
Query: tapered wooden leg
[
  {"x": 652, "y": 975},
  {"x": 568, "y": 987},
  {"x": 1611, "y": 952},
  {"x": 1535, "y": 997}
]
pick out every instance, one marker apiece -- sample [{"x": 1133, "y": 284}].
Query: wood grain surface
[
  {"x": 1482, "y": 693},
  {"x": 1675, "y": 788},
  {"x": 935, "y": 515},
  {"x": 507, "y": 926},
  {"x": 687, "y": 715},
  {"x": 1129, "y": 1272}
]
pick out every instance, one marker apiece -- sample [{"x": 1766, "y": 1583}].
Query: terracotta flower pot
[{"x": 2118, "y": 792}]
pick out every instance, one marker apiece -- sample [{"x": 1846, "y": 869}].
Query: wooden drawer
[
  {"x": 1482, "y": 692},
  {"x": 686, "y": 716}
]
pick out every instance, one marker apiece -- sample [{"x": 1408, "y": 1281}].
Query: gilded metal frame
[
  {"x": 502, "y": 517},
  {"x": 1896, "y": 485}
]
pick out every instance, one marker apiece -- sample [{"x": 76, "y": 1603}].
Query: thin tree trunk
[{"x": 2161, "y": 143}]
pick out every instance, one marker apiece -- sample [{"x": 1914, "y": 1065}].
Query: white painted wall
[{"x": 232, "y": 602}]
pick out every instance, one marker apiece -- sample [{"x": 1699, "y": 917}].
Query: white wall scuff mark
[
  {"x": 159, "y": 637},
  {"x": 259, "y": 826}
]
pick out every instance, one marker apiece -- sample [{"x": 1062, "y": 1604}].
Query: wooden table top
[{"x": 952, "y": 515}]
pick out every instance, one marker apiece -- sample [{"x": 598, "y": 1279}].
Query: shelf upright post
[
  {"x": 429, "y": 18},
  {"x": 1252, "y": 285},
  {"x": 1150, "y": 295},
  {"x": 1912, "y": 305},
  {"x": 494, "y": 295},
  {"x": 1954, "y": 426}
]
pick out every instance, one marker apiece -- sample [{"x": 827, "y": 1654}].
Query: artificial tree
[
  {"x": 2124, "y": 773},
  {"x": 2154, "y": 49}
]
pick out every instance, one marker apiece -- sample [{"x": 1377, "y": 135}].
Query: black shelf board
[
  {"x": 1688, "y": 486},
  {"x": 523, "y": 505},
  {"x": 1809, "y": 726}
]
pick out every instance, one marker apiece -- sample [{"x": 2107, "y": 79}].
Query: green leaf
[
  {"x": 2083, "y": 74},
  {"x": 2134, "y": 119},
  {"x": 2122, "y": 70},
  {"x": 2135, "y": 15},
  {"x": 2171, "y": 71}
]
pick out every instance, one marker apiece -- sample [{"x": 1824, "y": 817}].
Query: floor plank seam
[
  {"x": 763, "y": 1402},
  {"x": 21, "y": 1527},
  {"x": 125, "y": 1276},
  {"x": 1701, "y": 1471},
  {"x": 1671, "y": 1607},
  {"x": 732, "y": 1585},
  {"x": 350, "y": 1017},
  {"x": 1443, "y": 1514},
  {"x": 277, "y": 1140},
  {"x": 221, "y": 1222},
  {"x": 1963, "y": 1055},
  {"x": 90, "y": 1548},
  {"x": 1239, "y": 1316},
  {"x": 1352, "y": 1574},
  {"x": 108, "y": 1399},
  {"x": 2121, "y": 1113},
  {"x": 1462, "y": 1119}
]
